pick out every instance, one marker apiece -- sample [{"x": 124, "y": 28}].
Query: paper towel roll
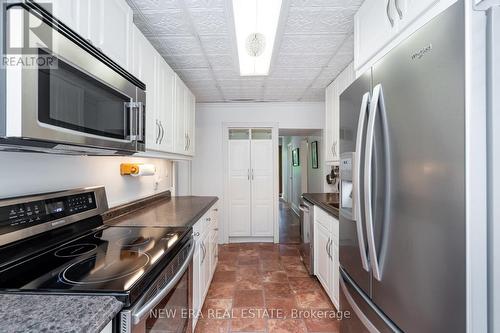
[{"x": 145, "y": 170}]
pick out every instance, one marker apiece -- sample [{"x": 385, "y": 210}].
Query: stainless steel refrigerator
[{"x": 402, "y": 216}]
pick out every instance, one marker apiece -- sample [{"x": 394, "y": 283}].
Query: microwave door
[{"x": 80, "y": 100}]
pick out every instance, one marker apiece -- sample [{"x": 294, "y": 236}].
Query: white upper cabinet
[
  {"x": 184, "y": 119},
  {"x": 332, "y": 116},
  {"x": 165, "y": 90},
  {"x": 144, "y": 63},
  {"x": 375, "y": 24},
  {"x": 68, "y": 12},
  {"x": 180, "y": 138},
  {"x": 110, "y": 28},
  {"x": 380, "y": 25},
  {"x": 411, "y": 9}
]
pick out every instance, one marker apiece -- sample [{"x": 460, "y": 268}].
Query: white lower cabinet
[
  {"x": 205, "y": 257},
  {"x": 326, "y": 253}
]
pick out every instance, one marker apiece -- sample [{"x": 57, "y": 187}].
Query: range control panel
[{"x": 27, "y": 214}]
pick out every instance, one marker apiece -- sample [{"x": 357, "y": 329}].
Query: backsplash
[{"x": 27, "y": 173}]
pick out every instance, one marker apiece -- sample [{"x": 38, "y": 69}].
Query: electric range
[{"x": 56, "y": 243}]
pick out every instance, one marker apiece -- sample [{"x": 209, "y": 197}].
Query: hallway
[
  {"x": 264, "y": 287},
  {"x": 289, "y": 224}
]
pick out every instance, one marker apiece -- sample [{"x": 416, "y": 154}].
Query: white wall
[
  {"x": 314, "y": 176},
  {"x": 207, "y": 166},
  {"x": 28, "y": 173}
]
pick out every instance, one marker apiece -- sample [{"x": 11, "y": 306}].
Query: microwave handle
[
  {"x": 135, "y": 121},
  {"x": 140, "y": 122}
]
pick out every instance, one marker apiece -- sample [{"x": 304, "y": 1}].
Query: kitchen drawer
[{"x": 323, "y": 218}]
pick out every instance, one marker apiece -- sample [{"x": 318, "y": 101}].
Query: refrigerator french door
[{"x": 402, "y": 222}]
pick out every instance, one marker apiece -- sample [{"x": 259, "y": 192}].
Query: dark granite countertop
[
  {"x": 323, "y": 200},
  {"x": 164, "y": 211},
  {"x": 56, "y": 313}
]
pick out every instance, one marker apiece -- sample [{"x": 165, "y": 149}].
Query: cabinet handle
[
  {"x": 216, "y": 229},
  {"x": 189, "y": 142},
  {"x": 185, "y": 142},
  {"x": 157, "y": 131},
  {"x": 196, "y": 234},
  {"x": 209, "y": 219},
  {"x": 387, "y": 10},
  {"x": 162, "y": 132},
  {"x": 326, "y": 248},
  {"x": 248, "y": 174},
  {"x": 330, "y": 250},
  {"x": 252, "y": 174},
  {"x": 398, "y": 8},
  {"x": 334, "y": 148}
]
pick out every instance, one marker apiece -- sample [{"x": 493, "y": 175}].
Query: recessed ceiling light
[{"x": 255, "y": 22}]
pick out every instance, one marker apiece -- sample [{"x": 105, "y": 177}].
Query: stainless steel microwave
[{"x": 79, "y": 102}]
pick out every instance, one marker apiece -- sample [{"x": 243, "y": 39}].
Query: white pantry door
[
  {"x": 262, "y": 186},
  {"x": 239, "y": 183}
]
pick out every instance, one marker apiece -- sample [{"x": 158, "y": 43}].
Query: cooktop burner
[
  {"x": 75, "y": 250},
  {"x": 112, "y": 260},
  {"x": 85, "y": 272}
]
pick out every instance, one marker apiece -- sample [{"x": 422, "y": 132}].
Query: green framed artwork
[
  {"x": 314, "y": 154},
  {"x": 295, "y": 157}
]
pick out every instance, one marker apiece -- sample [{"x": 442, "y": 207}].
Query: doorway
[{"x": 297, "y": 177}]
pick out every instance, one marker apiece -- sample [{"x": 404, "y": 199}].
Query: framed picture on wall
[
  {"x": 314, "y": 154},
  {"x": 295, "y": 157}
]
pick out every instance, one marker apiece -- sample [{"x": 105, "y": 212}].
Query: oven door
[
  {"x": 76, "y": 96},
  {"x": 167, "y": 305}
]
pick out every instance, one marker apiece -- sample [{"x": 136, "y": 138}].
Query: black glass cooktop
[{"x": 113, "y": 260}]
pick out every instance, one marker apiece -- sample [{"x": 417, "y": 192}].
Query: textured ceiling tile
[
  {"x": 145, "y": 5},
  {"x": 168, "y": 22},
  {"x": 326, "y": 3},
  {"x": 314, "y": 94},
  {"x": 311, "y": 60},
  {"x": 196, "y": 39},
  {"x": 316, "y": 20},
  {"x": 209, "y": 21},
  {"x": 221, "y": 61},
  {"x": 217, "y": 44},
  {"x": 204, "y": 3},
  {"x": 180, "y": 62},
  {"x": 180, "y": 45},
  {"x": 340, "y": 60},
  {"x": 294, "y": 73},
  {"x": 227, "y": 74},
  {"x": 195, "y": 74},
  {"x": 315, "y": 44}
]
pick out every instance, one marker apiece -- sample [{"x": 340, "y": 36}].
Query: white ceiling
[{"x": 314, "y": 43}]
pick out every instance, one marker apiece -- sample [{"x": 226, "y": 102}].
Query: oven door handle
[{"x": 141, "y": 310}]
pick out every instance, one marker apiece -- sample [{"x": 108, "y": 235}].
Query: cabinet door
[
  {"x": 180, "y": 138},
  {"x": 110, "y": 28},
  {"x": 144, "y": 66},
  {"x": 373, "y": 29},
  {"x": 165, "y": 94},
  {"x": 322, "y": 260},
  {"x": 412, "y": 9},
  {"x": 67, "y": 11},
  {"x": 262, "y": 185},
  {"x": 189, "y": 107},
  {"x": 205, "y": 264},
  {"x": 329, "y": 122},
  {"x": 239, "y": 182},
  {"x": 197, "y": 301}
]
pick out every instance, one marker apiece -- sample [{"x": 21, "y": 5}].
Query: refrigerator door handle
[
  {"x": 370, "y": 134},
  {"x": 357, "y": 181}
]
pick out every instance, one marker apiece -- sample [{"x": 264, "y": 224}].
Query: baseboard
[{"x": 269, "y": 239}]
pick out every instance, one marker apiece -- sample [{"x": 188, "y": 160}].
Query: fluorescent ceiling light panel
[{"x": 255, "y": 17}]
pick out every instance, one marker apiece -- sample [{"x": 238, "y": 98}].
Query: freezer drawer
[{"x": 364, "y": 317}]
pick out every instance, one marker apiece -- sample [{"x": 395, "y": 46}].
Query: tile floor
[
  {"x": 261, "y": 288},
  {"x": 289, "y": 224}
]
